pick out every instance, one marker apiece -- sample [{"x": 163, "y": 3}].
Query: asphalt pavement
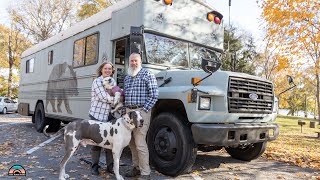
[{"x": 19, "y": 145}]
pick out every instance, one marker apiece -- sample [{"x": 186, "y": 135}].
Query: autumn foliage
[{"x": 293, "y": 26}]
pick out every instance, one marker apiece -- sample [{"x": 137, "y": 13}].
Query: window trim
[
  {"x": 85, "y": 49},
  {"x": 50, "y": 57}
]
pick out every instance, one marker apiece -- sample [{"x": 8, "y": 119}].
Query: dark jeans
[{"x": 96, "y": 151}]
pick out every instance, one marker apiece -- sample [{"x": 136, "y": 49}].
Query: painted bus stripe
[
  {"x": 42, "y": 144},
  {"x": 2, "y": 125}
]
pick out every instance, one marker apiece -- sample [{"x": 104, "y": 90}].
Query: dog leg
[
  {"x": 116, "y": 160},
  {"x": 116, "y": 98},
  {"x": 71, "y": 147},
  {"x": 117, "y": 108}
]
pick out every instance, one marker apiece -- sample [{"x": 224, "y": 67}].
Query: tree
[
  {"x": 12, "y": 44},
  {"x": 271, "y": 62},
  {"x": 241, "y": 53},
  {"x": 42, "y": 19},
  {"x": 294, "y": 26},
  {"x": 91, "y": 7}
]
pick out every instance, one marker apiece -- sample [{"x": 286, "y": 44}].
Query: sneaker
[
  {"x": 144, "y": 177},
  {"x": 133, "y": 172},
  {"x": 95, "y": 169}
]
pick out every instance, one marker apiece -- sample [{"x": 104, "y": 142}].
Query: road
[{"x": 18, "y": 136}]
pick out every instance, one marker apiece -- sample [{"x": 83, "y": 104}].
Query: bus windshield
[{"x": 175, "y": 53}]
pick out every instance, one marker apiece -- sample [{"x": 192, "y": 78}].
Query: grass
[{"x": 294, "y": 147}]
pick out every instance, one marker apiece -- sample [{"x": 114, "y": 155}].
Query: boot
[
  {"x": 133, "y": 172},
  {"x": 110, "y": 168},
  {"x": 95, "y": 156},
  {"x": 94, "y": 169},
  {"x": 109, "y": 161}
]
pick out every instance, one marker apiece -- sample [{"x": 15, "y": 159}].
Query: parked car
[{"x": 7, "y": 105}]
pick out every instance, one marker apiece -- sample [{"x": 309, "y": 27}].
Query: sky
[
  {"x": 244, "y": 13},
  {"x": 4, "y": 4}
]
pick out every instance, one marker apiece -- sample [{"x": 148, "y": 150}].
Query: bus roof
[{"x": 81, "y": 26}]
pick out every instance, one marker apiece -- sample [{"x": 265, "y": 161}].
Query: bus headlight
[{"x": 204, "y": 103}]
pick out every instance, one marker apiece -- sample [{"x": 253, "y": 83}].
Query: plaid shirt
[
  {"x": 99, "y": 107},
  {"x": 141, "y": 90}
]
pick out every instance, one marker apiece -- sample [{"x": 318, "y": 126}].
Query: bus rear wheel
[
  {"x": 248, "y": 152},
  {"x": 39, "y": 117},
  {"x": 171, "y": 146}
]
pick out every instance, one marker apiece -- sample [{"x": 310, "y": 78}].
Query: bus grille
[{"x": 250, "y": 96}]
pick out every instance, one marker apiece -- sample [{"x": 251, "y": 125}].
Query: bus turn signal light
[{"x": 168, "y": 2}]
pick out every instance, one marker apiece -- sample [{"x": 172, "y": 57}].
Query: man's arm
[{"x": 153, "y": 92}]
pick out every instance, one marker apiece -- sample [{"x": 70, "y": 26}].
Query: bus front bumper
[{"x": 233, "y": 134}]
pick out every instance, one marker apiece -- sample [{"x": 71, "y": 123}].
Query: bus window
[
  {"x": 30, "y": 66},
  {"x": 120, "y": 51},
  {"x": 166, "y": 51},
  {"x": 120, "y": 56},
  {"x": 85, "y": 51},
  {"x": 50, "y": 57}
]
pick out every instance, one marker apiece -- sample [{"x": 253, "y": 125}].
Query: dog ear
[
  {"x": 133, "y": 115},
  {"x": 130, "y": 114}
]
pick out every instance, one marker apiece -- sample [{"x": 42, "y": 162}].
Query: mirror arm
[
  {"x": 196, "y": 84},
  {"x": 286, "y": 90}
]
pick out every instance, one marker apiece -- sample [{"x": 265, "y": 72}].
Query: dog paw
[
  {"x": 66, "y": 176},
  {"x": 119, "y": 177}
]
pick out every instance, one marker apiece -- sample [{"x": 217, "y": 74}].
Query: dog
[
  {"x": 114, "y": 135},
  {"x": 111, "y": 87}
]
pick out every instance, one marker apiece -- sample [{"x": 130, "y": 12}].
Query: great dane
[{"x": 114, "y": 135}]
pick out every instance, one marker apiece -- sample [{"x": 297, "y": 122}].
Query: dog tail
[{"x": 61, "y": 131}]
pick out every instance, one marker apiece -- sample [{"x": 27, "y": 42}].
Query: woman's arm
[{"x": 101, "y": 92}]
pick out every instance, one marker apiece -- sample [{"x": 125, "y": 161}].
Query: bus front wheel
[{"x": 171, "y": 146}]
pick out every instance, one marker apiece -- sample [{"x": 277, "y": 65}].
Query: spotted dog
[
  {"x": 114, "y": 135},
  {"x": 111, "y": 87}
]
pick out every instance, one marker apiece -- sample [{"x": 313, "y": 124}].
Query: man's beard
[{"x": 134, "y": 71}]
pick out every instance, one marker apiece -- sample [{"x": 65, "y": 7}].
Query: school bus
[{"x": 200, "y": 107}]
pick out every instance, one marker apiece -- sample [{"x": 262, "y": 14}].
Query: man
[{"x": 141, "y": 92}]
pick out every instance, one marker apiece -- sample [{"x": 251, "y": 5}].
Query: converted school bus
[{"x": 180, "y": 43}]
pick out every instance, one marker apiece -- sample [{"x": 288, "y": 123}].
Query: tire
[
  {"x": 4, "y": 111},
  {"x": 171, "y": 146},
  {"x": 39, "y": 118},
  {"x": 248, "y": 153},
  {"x": 54, "y": 125}
]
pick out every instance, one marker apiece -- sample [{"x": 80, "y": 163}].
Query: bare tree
[{"x": 42, "y": 19}]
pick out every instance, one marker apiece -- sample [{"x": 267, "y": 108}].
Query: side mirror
[
  {"x": 290, "y": 79},
  {"x": 136, "y": 40},
  {"x": 210, "y": 66}
]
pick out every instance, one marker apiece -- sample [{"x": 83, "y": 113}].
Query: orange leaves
[{"x": 301, "y": 149}]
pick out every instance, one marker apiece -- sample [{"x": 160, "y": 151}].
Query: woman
[{"x": 100, "y": 109}]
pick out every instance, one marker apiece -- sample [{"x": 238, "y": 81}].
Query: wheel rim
[{"x": 165, "y": 143}]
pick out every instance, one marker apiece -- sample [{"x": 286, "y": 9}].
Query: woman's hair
[{"x": 99, "y": 73}]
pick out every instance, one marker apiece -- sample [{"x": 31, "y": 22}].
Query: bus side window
[{"x": 50, "y": 57}]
